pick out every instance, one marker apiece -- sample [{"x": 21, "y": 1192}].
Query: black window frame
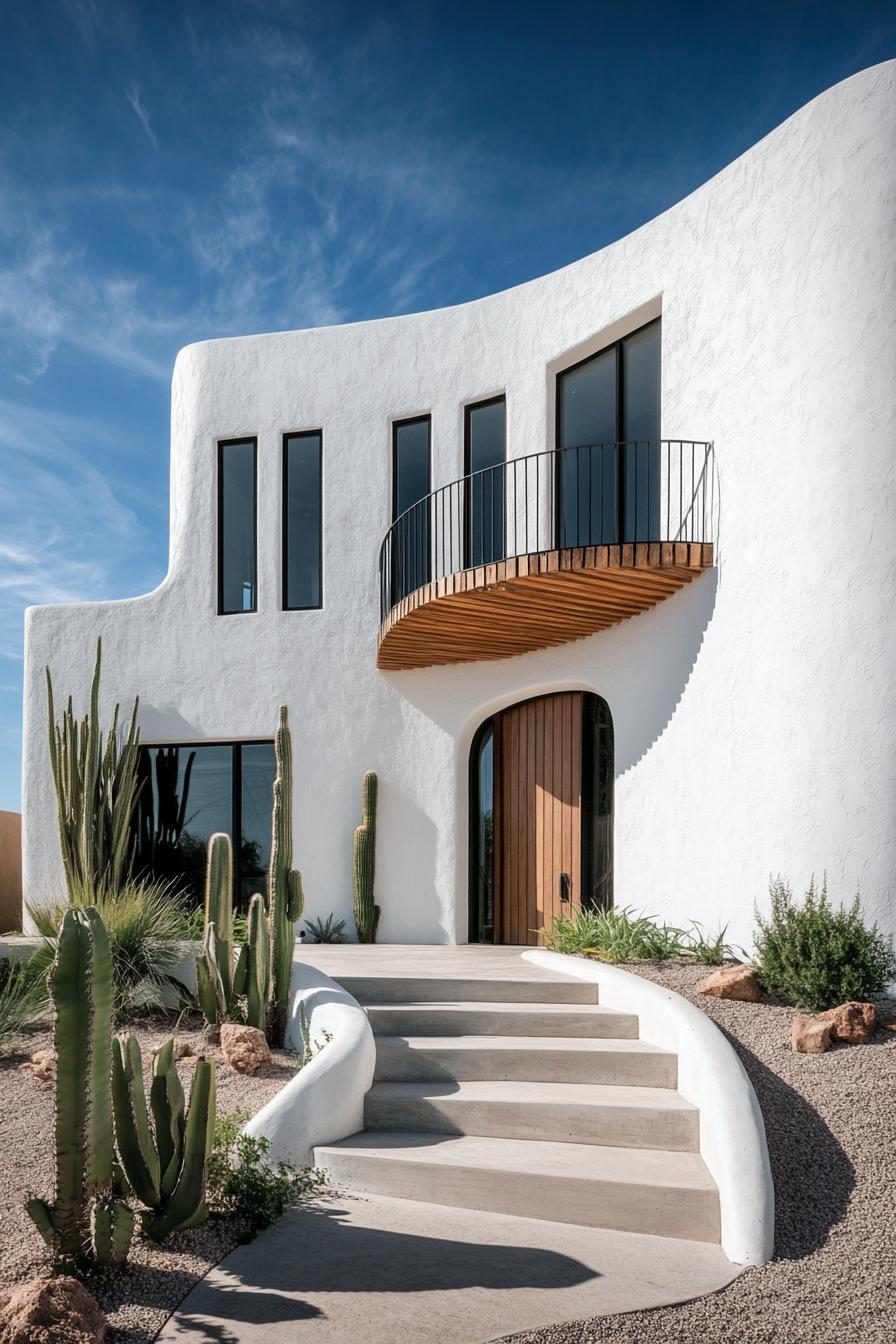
[
  {"x": 621, "y": 503},
  {"x": 236, "y": 789},
  {"x": 284, "y": 593},
  {"x": 396, "y": 585},
  {"x": 469, "y": 407},
  {"x": 222, "y": 445}
]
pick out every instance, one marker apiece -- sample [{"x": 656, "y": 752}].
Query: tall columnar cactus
[
  {"x": 367, "y": 915},
  {"x": 255, "y": 965},
  {"x": 165, "y": 1157},
  {"x": 285, "y": 898},
  {"x": 97, "y": 786},
  {"x": 86, "y": 1225},
  {"x": 214, "y": 969}
]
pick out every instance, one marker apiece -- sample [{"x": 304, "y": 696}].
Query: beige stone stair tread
[
  {"x": 660, "y": 1168},
  {"x": 534, "y": 1094},
  {"x": 519, "y": 1044}
]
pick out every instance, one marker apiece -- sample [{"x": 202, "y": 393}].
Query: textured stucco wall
[
  {"x": 10, "y": 871},
  {"x": 753, "y": 711}
]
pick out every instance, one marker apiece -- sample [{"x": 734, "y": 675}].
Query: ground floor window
[{"x": 190, "y": 792}]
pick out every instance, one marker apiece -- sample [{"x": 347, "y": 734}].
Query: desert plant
[
  {"x": 703, "y": 948},
  {"x": 23, "y": 995},
  {"x": 614, "y": 935},
  {"x": 242, "y": 1183},
  {"x": 96, "y": 781},
  {"x": 143, "y": 921},
  {"x": 308, "y": 1048},
  {"x": 367, "y": 915},
  {"x": 816, "y": 957},
  {"x": 215, "y": 988},
  {"x": 329, "y": 930},
  {"x": 87, "y": 1225},
  {"x": 164, "y": 1158},
  {"x": 285, "y": 898}
]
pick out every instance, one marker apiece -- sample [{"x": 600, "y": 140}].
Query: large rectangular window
[
  {"x": 190, "y": 792},
  {"x": 302, "y": 459},
  {"x": 608, "y": 434},
  {"x": 485, "y": 458},
  {"x": 237, "y": 574},
  {"x": 411, "y": 560}
]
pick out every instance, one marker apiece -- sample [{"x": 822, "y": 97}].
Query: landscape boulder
[
  {"x": 733, "y": 982},
  {"x": 244, "y": 1048},
  {"x": 809, "y": 1036},
  {"x": 50, "y": 1311},
  {"x": 182, "y": 1049},
  {"x": 42, "y": 1065},
  {"x": 853, "y": 1022}
]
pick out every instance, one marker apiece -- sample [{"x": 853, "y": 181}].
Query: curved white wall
[{"x": 753, "y": 710}]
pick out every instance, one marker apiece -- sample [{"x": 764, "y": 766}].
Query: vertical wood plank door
[{"x": 539, "y": 850}]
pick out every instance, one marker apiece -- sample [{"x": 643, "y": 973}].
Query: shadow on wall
[{"x": 400, "y": 814}]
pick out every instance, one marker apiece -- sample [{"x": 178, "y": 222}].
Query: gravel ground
[
  {"x": 831, "y": 1126},
  {"x": 158, "y": 1278}
]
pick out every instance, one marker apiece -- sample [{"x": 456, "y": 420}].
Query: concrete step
[
  {"x": 624, "y": 1117},
  {"x": 501, "y": 1019},
  {"x": 626, "y": 1189},
  {"x": 479, "y": 989},
  {"x": 418, "y": 1059}
]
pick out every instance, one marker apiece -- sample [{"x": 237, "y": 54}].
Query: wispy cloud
[{"x": 135, "y": 98}]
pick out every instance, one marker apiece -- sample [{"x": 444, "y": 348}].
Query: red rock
[
  {"x": 50, "y": 1311},
  {"x": 808, "y": 1036},
  {"x": 244, "y": 1048},
  {"x": 853, "y": 1022},
  {"x": 733, "y": 982}
]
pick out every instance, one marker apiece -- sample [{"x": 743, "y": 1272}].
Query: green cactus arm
[
  {"x": 167, "y": 1105},
  {"x": 187, "y": 1203},
  {"x": 296, "y": 896},
  {"x": 209, "y": 985},
  {"x": 135, "y": 1144},
  {"x": 257, "y": 965},
  {"x": 241, "y": 971},
  {"x": 219, "y": 912},
  {"x": 98, "y": 1128},
  {"x": 205, "y": 992},
  {"x": 68, "y": 983},
  {"x": 41, "y": 1215},
  {"x": 111, "y": 1229}
]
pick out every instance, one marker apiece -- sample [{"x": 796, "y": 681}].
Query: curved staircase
[{"x": 517, "y": 1093}]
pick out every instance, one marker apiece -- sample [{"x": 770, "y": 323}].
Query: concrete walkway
[{"x": 375, "y": 1270}]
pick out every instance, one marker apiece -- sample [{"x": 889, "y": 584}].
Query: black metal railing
[{"x": 644, "y": 490}]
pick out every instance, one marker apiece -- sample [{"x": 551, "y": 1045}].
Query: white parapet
[
  {"x": 710, "y": 1075},
  {"x": 324, "y": 1102}
]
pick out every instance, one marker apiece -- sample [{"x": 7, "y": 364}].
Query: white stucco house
[{"x": 597, "y": 574}]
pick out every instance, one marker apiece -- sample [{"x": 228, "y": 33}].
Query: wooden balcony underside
[{"x": 533, "y": 602}]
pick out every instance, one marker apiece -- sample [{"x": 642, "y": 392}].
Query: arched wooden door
[{"x": 541, "y": 818}]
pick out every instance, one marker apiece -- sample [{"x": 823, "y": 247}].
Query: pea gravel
[
  {"x": 137, "y": 1303},
  {"x": 831, "y": 1126}
]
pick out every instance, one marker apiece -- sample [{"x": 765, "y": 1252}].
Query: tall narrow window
[
  {"x": 608, "y": 432},
  {"x": 237, "y": 577},
  {"x": 485, "y": 457},
  {"x": 411, "y": 560},
  {"x": 302, "y": 520}
]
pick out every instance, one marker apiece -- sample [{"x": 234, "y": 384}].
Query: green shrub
[
  {"x": 706, "y": 950},
  {"x": 24, "y": 995},
  {"x": 144, "y": 921},
  {"x": 243, "y": 1185},
  {"x": 614, "y": 935},
  {"x": 815, "y": 957}
]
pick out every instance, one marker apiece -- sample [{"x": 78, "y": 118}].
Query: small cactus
[
  {"x": 214, "y": 968},
  {"x": 165, "y": 1159},
  {"x": 87, "y": 1225},
  {"x": 285, "y": 897},
  {"x": 367, "y": 915},
  {"x": 257, "y": 965}
]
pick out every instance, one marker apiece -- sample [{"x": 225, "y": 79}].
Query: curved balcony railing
[{"x": 606, "y": 494}]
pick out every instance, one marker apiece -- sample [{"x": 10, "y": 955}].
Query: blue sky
[{"x": 174, "y": 171}]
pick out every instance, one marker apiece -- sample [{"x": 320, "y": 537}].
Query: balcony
[{"x": 542, "y": 550}]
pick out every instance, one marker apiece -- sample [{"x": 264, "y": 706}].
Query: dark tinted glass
[
  {"x": 189, "y": 793},
  {"x": 410, "y": 484},
  {"x": 599, "y": 770},
  {"x": 641, "y": 430},
  {"x": 302, "y": 520},
  {"x": 588, "y": 489},
  {"x": 483, "y": 838},
  {"x": 485, "y": 453},
  {"x": 236, "y": 526}
]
